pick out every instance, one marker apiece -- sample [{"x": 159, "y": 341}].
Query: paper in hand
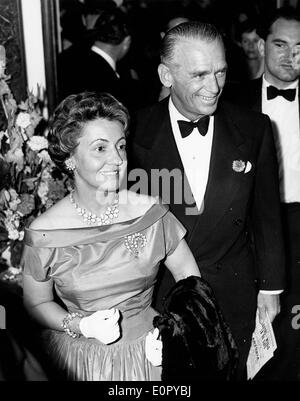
[{"x": 262, "y": 347}]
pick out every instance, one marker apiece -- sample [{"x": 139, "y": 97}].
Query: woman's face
[{"x": 100, "y": 157}]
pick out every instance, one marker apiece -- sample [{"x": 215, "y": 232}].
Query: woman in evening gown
[{"x": 100, "y": 249}]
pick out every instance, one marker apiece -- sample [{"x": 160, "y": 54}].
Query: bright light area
[{"x": 33, "y": 39}]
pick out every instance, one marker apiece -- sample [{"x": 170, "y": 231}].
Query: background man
[
  {"x": 93, "y": 64},
  {"x": 276, "y": 94},
  {"x": 231, "y": 171}
]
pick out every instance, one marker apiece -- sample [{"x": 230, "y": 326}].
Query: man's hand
[{"x": 268, "y": 303}]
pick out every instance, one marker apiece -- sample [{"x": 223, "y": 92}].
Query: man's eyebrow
[
  {"x": 284, "y": 42},
  {"x": 199, "y": 72}
]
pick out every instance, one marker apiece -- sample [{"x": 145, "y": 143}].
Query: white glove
[
  {"x": 153, "y": 348},
  {"x": 102, "y": 325}
]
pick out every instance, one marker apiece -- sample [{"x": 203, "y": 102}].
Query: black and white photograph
[{"x": 150, "y": 194}]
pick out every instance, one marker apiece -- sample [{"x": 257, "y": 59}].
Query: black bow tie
[
  {"x": 288, "y": 94},
  {"x": 186, "y": 127}
]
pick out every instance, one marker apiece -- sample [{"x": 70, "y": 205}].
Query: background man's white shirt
[
  {"x": 285, "y": 123},
  {"x": 106, "y": 57}
]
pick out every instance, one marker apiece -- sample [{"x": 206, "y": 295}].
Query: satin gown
[{"x": 95, "y": 268}]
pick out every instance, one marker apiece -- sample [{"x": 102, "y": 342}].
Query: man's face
[
  {"x": 197, "y": 75},
  {"x": 282, "y": 52},
  {"x": 249, "y": 44}
]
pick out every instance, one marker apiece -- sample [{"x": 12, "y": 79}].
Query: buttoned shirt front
[
  {"x": 284, "y": 116},
  {"x": 195, "y": 152}
]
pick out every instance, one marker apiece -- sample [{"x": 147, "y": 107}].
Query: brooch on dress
[{"x": 135, "y": 242}]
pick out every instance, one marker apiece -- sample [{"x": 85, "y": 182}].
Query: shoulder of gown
[{"x": 57, "y": 238}]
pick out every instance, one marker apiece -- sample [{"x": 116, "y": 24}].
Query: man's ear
[
  {"x": 261, "y": 47},
  {"x": 165, "y": 75}
]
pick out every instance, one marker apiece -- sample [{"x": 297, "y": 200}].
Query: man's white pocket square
[{"x": 248, "y": 167}]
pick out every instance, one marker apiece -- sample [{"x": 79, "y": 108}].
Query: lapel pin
[{"x": 238, "y": 166}]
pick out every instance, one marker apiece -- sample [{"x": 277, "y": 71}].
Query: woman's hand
[
  {"x": 153, "y": 348},
  {"x": 102, "y": 325}
]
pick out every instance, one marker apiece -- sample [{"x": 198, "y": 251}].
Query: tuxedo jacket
[
  {"x": 238, "y": 206},
  {"x": 81, "y": 69}
]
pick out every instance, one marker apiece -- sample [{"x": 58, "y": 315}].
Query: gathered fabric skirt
[{"x": 87, "y": 359}]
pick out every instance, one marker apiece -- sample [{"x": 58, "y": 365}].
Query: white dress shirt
[
  {"x": 285, "y": 122},
  {"x": 106, "y": 57},
  {"x": 195, "y": 151}
]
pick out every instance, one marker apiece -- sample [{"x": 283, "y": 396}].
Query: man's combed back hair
[
  {"x": 187, "y": 30},
  {"x": 288, "y": 13},
  {"x": 111, "y": 27},
  {"x": 70, "y": 117}
]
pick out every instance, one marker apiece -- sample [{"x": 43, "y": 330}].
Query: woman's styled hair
[
  {"x": 70, "y": 116},
  {"x": 187, "y": 30}
]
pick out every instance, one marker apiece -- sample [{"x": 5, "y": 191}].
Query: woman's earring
[{"x": 70, "y": 165}]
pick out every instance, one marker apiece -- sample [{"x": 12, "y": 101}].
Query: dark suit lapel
[
  {"x": 223, "y": 181},
  {"x": 164, "y": 155},
  {"x": 254, "y": 94},
  {"x": 164, "y": 152}
]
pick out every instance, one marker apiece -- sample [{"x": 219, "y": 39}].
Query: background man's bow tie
[
  {"x": 288, "y": 94},
  {"x": 186, "y": 127}
]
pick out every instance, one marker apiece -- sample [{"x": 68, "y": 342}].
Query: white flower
[
  {"x": 14, "y": 270},
  {"x": 6, "y": 255},
  {"x": 238, "y": 166},
  {"x": 14, "y": 199},
  {"x": 27, "y": 170},
  {"x": 15, "y": 157},
  {"x": 43, "y": 192},
  {"x": 44, "y": 156},
  {"x": 12, "y": 225},
  {"x": 13, "y": 194},
  {"x": 37, "y": 143},
  {"x": 2, "y": 134},
  {"x": 46, "y": 175},
  {"x": 14, "y": 204},
  {"x": 13, "y": 234},
  {"x": 7, "y": 195},
  {"x": 23, "y": 120}
]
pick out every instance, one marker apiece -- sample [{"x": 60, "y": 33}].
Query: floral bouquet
[{"x": 29, "y": 181}]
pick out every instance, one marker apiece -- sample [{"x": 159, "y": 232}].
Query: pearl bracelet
[{"x": 66, "y": 322}]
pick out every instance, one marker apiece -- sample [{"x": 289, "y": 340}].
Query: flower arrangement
[{"x": 29, "y": 181}]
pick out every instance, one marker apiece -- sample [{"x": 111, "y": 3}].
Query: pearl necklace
[{"x": 107, "y": 217}]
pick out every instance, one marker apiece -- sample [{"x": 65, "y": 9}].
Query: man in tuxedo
[
  {"x": 92, "y": 65},
  {"x": 276, "y": 94},
  {"x": 229, "y": 168}
]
